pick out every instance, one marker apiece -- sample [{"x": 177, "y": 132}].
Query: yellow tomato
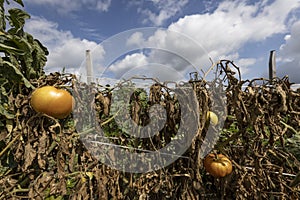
[
  {"x": 212, "y": 117},
  {"x": 54, "y": 102}
]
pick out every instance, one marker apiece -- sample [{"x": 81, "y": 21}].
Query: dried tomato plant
[{"x": 42, "y": 157}]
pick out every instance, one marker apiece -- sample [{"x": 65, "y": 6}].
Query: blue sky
[{"x": 242, "y": 30}]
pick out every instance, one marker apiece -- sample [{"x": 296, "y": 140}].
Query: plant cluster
[{"x": 44, "y": 157}]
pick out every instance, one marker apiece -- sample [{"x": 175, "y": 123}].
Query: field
[{"x": 42, "y": 157}]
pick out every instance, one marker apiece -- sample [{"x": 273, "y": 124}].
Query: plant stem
[{"x": 9, "y": 144}]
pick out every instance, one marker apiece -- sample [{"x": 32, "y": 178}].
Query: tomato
[
  {"x": 212, "y": 117},
  {"x": 54, "y": 102},
  {"x": 218, "y": 166}
]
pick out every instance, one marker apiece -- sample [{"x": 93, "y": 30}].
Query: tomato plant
[
  {"x": 22, "y": 57},
  {"x": 217, "y": 165},
  {"x": 54, "y": 102}
]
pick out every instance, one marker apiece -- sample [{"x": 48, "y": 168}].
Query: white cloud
[
  {"x": 67, "y": 6},
  {"x": 163, "y": 11},
  {"x": 174, "y": 52},
  {"x": 244, "y": 64},
  {"x": 234, "y": 23},
  {"x": 210, "y": 5},
  {"x": 64, "y": 49},
  {"x": 289, "y": 54},
  {"x": 136, "y": 38},
  {"x": 128, "y": 63},
  {"x": 103, "y": 5},
  {"x": 291, "y": 48},
  {"x": 222, "y": 33},
  {"x": 140, "y": 65},
  {"x": 47, "y": 31}
]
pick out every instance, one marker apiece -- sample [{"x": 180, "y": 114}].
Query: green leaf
[
  {"x": 18, "y": 73},
  {"x": 22, "y": 44},
  {"x": 17, "y": 19},
  {"x": 14, "y": 44},
  {"x": 13, "y": 50},
  {"x": 40, "y": 53}
]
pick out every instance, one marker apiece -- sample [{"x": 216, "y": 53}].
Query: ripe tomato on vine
[{"x": 54, "y": 102}]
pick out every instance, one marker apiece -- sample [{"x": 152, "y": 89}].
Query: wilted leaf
[
  {"x": 6, "y": 113},
  {"x": 43, "y": 143},
  {"x": 9, "y": 125},
  {"x": 73, "y": 161},
  {"x": 60, "y": 162},
  {"x": 30, "y": 155},
  {"x": 90, "y": 175}
]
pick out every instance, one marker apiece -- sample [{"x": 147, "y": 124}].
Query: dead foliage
[{"x": 44, "y": 158}]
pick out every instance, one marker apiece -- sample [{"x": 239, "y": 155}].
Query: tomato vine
[{"x": 22, "y": 57}]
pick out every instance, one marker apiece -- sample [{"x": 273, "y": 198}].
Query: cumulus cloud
[
  {"x": 141, "y": 65},
  {"x": 235, "y": 22},
  {"x": 65, "y": 49},
  {"x": 289, "y": 55},
  {"x": 163, "y": 10},
  {"x": 291, "y": 48},
  {"x": 222, "y": 33},
  {"x": 243, "y": 63},
  {"x": 128, "y": 63},
  {"x": 174, "y": 53},
  {"x": 67, "y": 6}
]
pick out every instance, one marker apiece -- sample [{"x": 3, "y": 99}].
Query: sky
[{"x": 167, "y": 39}]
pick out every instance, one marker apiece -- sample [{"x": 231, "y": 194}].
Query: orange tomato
[
  {"x": 218, "y": 166},
  {"x": 54, "y": 102}
]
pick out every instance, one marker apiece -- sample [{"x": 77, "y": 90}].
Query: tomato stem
[{"x": 216, "y": 155}]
